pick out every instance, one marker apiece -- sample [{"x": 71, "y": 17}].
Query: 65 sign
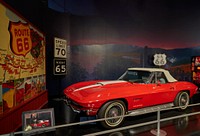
[{"x": 60, "y": 67}]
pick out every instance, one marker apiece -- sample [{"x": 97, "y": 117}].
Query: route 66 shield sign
[
  {"x": 21, "y": 43},
  {"x": 160, "y": 59}
]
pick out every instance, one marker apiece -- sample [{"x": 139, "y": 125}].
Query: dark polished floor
[{"x": 185, "y": 126}]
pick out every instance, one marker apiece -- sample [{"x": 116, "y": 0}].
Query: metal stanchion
[{"x": 158, "y": 124}]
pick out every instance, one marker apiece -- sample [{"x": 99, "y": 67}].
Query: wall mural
[
  {"x": 128, "y": 34},
  {"x": 110, "y": 61},
  {"x": 22, "y": 60},
  {"x": 105, "y": 40}
]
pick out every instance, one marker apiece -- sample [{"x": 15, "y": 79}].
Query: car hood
[{"x": 94, "y": 90}]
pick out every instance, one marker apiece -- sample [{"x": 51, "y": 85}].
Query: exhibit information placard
[{"x": 34, "y": 120}]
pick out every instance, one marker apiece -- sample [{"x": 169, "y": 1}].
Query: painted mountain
[{"x": 109, "y": 61}]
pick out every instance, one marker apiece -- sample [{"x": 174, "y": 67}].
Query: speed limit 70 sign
[
  {"x": 60, "y": 67},
  {"x": 60, "y": 48}
]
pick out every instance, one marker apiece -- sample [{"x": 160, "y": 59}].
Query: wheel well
[
  {"x": 125, "y": 102},
  {"x": 187, "y": 91},
  {"x": 122, "y": 99}
]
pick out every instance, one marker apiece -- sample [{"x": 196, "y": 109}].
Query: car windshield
[{"x": 136, "y": 76}]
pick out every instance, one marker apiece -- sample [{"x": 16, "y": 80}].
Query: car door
[{"x": 158, "y": 90}]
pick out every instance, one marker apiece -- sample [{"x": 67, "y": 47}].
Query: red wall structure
[{"x": 11, "y": 120}]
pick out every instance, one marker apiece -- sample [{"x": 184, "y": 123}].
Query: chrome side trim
[{"x": 150, "y": 109}]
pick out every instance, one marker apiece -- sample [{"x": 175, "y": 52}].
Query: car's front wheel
[
  {"x": 111, "y": 110},
  {"x": 182, "y": 100}
]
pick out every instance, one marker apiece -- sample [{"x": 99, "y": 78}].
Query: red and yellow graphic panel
[{"x": 22, "y": 60}]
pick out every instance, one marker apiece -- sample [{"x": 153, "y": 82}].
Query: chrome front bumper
[
  {"x": 68, "y": 103},
  {"x": 79, "y": 109}
]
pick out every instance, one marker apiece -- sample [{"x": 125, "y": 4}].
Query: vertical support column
[{"x": 158, "y": 124}]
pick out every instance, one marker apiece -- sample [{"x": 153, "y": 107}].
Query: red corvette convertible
[{"x": 137, "y": 90}]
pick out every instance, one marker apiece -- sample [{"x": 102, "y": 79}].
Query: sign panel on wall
[
  {"x": 60, "y": 67},
  {"x": 60, "y": 48},
  {"x": 22, "y": 60}
]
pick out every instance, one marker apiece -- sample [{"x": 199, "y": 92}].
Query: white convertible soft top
[{"x": 169, "y": 77}]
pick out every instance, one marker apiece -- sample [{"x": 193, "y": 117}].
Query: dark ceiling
[{"x": 166, "y": 23}]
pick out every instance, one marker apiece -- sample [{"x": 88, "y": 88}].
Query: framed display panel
[
  {"x": 34, "y": 120},
  {"x": 196, "y": 70}
]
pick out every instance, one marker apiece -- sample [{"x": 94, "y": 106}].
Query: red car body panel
[{"x": 91, "y": 95}]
